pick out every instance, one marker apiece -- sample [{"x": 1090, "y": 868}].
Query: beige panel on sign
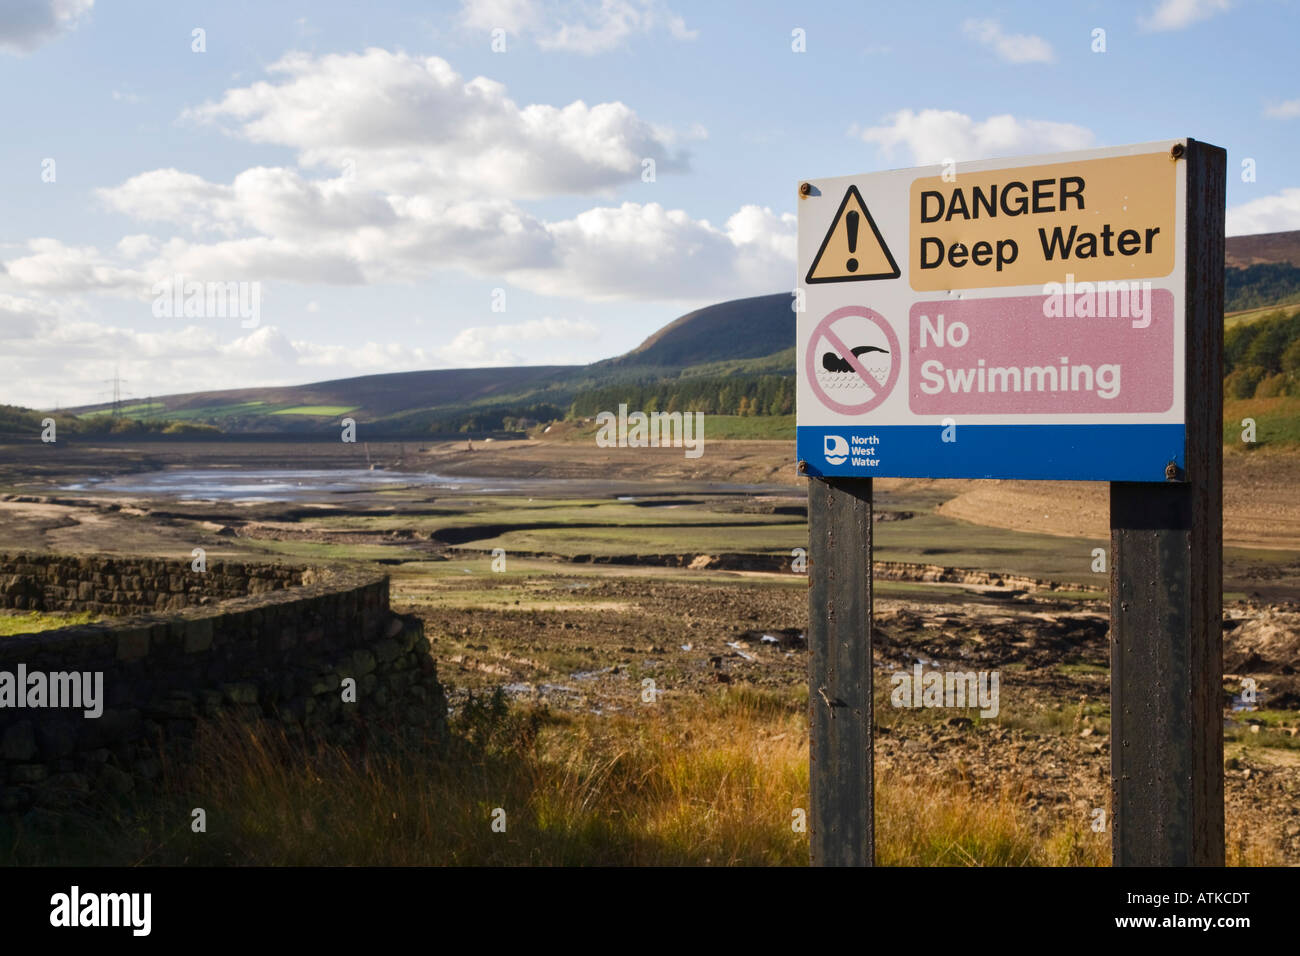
[{"x": 1100, "y": 219}]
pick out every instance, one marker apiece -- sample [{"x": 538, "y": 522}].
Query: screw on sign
[{"x": 853, "y": 359}]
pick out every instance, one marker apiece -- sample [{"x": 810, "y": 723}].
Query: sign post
[
  {"x": 1051, "y": 317},
  {"x": 842, "y": 831},
  {"x": 1166, "y": 592}
]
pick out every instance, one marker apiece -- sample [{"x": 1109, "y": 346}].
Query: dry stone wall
[
  {"x": 111, "y": 585},
  {"x": 270, "y": 643}
]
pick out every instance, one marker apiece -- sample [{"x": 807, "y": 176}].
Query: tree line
[
  {"x": 725, "y": 395},
  {"x": 1262, "y": 358}
]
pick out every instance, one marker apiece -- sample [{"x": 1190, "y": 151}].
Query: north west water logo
[{"x": 836, "y": 448}]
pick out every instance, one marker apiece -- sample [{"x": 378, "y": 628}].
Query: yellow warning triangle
[{"x": 853, "y": 249}]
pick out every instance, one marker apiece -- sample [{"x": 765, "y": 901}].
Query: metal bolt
[
  {"x": 803, "y": 467},
  {"x": 1171, "y": 471},
  {"x": 1177, "y": 151},
  {"x": 805, "y": 189}
]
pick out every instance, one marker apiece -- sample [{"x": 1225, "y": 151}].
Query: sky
[{"x": 409, "y": 185}]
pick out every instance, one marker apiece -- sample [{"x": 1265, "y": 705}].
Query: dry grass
[
  {"x": 716, "y": 781},
  {"x": 712, "y": 782}
]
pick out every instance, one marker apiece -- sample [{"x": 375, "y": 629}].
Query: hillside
[
  {"x": 722, "y": 349},
  {"x": 739, "y": 329},
  {"x": 732, "y": 358},
  {"x": 1264, "y": 247}
]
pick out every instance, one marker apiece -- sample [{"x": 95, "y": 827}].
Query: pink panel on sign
[{"x": 1035, "y": 355}]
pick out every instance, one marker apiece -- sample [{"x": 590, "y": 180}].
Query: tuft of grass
[
  {"x": 1277, "y": 422},
  {"x": 923, "y": 821},
  {"x": 721, "y": 780},
  {"x": 33, "y": 622}
]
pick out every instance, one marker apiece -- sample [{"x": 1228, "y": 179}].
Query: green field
[
  {"x": 603, "y": 528},
  {"x": 330, "y": 410},
  {"x": 34, "y": 622},
  {"x": 1250, "y": 315},
  {"x": 1277, "y": 420},
  {"x": 721, "y": 427}
]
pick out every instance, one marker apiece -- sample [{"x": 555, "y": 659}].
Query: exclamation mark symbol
[{"x": 851, "y": 221}]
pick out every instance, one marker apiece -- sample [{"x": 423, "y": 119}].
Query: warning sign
[
  {"x": 1099, "y": 219},
  {"x": 1024, "y": 318},
  {"x": 853, "y": 249}
]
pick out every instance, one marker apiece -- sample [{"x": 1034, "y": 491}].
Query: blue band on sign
[{"x": 1031, "y": 452}]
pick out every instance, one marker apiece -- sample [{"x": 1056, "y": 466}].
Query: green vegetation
[
  {"x": 742, "y": 395},
  {"x": 1241, "y": 318},
  {"x": 26, "y": 423},
  {"x": 1262, "y": 358},
  {"x": 733, "y": 361},
  {"x": 1263, "y": 284},
  {"x": 1277, "y": 421},
  {"x": 570, "y": 527},
  {"x": 701, "y": 782},
  {"x": 33, "y": 622},
  {"x": 709, "y": 781},
  {"x": 329, "y": 410},
  {"x": 732, "y": 427}
]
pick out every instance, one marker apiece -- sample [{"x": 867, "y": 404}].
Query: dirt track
[{"x": 1261, "y": 504}]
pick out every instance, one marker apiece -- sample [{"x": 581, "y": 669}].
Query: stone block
[
  {"x": 19, "y": 741},
  {"x": 363, "y": 662},
  {"x": 387, "y": 650},
  {"x": 132, "y": 643},
  {"x": 56, "y": 738},
  {"x": 198, "y": 635}
]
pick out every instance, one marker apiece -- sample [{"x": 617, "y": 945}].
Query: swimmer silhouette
[{"x": 833, "y": 363}]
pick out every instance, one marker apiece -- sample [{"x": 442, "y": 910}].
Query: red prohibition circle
[{"x": 823, "y": 330}]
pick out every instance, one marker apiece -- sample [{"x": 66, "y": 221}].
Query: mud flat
[{"x": 567, "y": 576}]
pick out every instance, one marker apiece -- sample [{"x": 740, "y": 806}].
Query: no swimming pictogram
[{"x": 853, "y": 360}]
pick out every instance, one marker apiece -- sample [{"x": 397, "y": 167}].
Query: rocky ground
[
  {"x": 587, "y": 637},
  {"x": 591, "y": 644}
]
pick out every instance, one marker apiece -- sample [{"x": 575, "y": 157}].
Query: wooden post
[
  {"x": 841, "y": 821},
  {"x": 1166, "y": 591}
]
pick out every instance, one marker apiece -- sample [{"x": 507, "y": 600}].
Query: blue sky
[{"x": 384, "y": 177}]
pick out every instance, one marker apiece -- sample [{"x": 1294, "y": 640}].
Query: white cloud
[
  {"x": 28, "y": 24},
  {"x": 1277, "y": 213},
  {"x": 395, "y": 122},
  {"x": 21, "y": 318},
  {"x": 1011, "y": 47},
  {"x": 491, "y": 345},
  {"x": 575, "y": 26},
  {"x": 1179, "y": 14},
  {"x": 267, "y": 200},
  {"x": 186, "y": 358},
  {"x": 933, "y": 136},
  {"x": 649, "y": 253},
  {"x": 273, "y": 224},
  {"x": 1288, "y": 109},
  {"x": 428, "y": 172},
  {"x": 53, "y": 266},
  {"x": 423, "y": 172}
]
